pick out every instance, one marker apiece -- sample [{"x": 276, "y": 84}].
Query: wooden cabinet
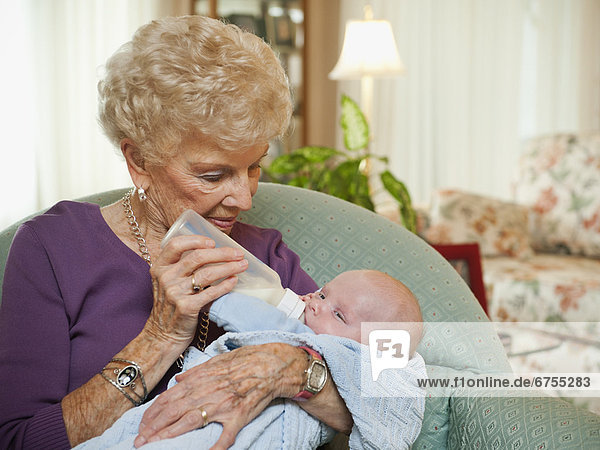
[{"x": 304, "y": 33}]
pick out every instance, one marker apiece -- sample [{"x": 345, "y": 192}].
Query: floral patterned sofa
[{"x": 540, "y": 253}]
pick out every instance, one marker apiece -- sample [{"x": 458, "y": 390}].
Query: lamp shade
[{"x": 369, "y": 49}]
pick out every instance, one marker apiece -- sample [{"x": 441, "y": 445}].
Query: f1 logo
[{"x": 389, "y": 349}]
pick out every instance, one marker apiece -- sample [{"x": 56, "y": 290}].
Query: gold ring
[
  {"x": 204, "y": 417},
  {"x": 196, "y": 287}
]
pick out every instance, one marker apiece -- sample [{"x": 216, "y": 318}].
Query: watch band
[
  {"x": 316, "y": 375},
  {"x": 311, "y": 352}
]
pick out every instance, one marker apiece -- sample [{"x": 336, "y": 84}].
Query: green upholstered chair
[{"x": 332, "y": 236}]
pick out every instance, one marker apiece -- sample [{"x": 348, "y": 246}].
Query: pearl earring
[{"x": 142, "y": 194}]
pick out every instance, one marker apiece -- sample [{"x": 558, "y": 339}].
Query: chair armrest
[{"x": 521, "y": 422}]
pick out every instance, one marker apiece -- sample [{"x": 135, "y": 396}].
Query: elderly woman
[{"x": 95, "y": 314}]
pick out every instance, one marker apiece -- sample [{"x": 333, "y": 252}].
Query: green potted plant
[{"x": 343, "y": 174}]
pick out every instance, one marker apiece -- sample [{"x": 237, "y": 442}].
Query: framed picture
[
  {"x": 281, "y": 30},
  {"x": 466, "y": 259}
]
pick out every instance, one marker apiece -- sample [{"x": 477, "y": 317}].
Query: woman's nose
[{"x": 240, "y": 194}]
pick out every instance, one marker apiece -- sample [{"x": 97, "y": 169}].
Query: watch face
[{"x": 318, "y": 376}]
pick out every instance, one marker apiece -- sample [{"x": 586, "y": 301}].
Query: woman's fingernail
[
  {"x": 243, "y": 263},
  {"x": 139, "y": 441}
]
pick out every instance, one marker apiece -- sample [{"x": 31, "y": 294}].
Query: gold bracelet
[{"x": 126, "y": 379}]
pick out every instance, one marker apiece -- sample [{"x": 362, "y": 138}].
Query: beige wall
[{"x": 322, "y": 51}]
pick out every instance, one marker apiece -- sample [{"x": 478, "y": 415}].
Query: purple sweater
[{"x": 73, "y": 296}]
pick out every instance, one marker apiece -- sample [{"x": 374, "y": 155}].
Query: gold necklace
[
  {"x": 203, "y": 322},
  {"x": 135, "y": 228}
]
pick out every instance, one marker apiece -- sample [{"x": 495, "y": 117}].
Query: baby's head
[{"x": 362, "y": 296}]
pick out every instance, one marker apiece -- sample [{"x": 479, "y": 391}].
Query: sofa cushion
[
  {"x": 559, "y": 177},
  {"x": 500, "y": 228},
  {"x": 496, "y": 423},
  {"x": 568, "y": 285}
]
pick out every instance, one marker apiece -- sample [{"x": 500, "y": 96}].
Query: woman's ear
[{"x": 135, "y": 164}]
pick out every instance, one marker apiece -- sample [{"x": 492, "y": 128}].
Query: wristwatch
[{"x": 316, "y": 375}]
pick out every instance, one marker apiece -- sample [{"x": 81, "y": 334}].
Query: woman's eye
[
  {"x": 211, "y": 177},
  {"x": 321, "y": 295}
]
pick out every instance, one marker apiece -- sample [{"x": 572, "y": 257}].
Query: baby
[
  {"x": 337, "y": 309},
  {"x": 358, "y": 296}
]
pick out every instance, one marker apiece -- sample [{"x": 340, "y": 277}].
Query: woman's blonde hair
[{"x": 193, "y": 74}]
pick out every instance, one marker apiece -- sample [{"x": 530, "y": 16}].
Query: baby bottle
[{"x": 258, "y": 280}]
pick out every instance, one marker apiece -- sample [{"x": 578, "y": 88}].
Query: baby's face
[{"x": 340, "y": 307}]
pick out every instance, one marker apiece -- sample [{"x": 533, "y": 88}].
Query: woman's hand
[
  {"x": 232, "y": 389},
  {"x": 93, "y": 407},
  {"x": 174, "y": 315}
]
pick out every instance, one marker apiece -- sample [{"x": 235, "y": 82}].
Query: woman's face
[{"x": 215, "y": 183}]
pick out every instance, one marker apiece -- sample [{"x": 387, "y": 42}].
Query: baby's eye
[{"x": 338, "y": 315}]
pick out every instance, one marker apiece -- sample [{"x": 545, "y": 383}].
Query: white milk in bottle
[{"x": 258, "y": 280}]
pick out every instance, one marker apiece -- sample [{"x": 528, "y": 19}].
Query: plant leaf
[
  {"x": 340, "y": 182},
  {"x": 288, "y": 163},
  {"x": 314, "y": 154},
  {"x": 363, "y": 196},
  {"x": 354, "y": 125},
  {"x": 300, "y": 181},
  {"x": 399, "y": 191},
  {"x": 351, "y": 184}
]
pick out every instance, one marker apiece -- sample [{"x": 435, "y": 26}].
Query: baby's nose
[
  {"x": 307, "y": 297},
  {"x": 315, "y": 303}
]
